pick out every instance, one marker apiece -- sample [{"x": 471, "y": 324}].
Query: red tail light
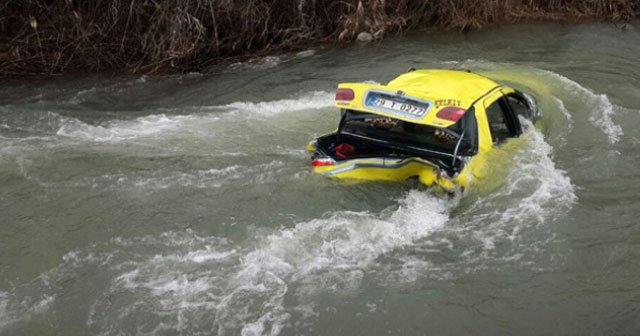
[
  {"x": 451, "y": 113},
  {"x": 345, "y": 94},
  {"x": 326, "y": 161}
]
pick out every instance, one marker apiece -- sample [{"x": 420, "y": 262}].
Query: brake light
[
  {"x": 345, "y": 94},
  {"x": 326, "y": 161},
  {"x": 452, "y": 113}
]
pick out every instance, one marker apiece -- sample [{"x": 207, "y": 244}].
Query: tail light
[
  {"x": 325, "y": 161},
  {"x": 451, "y": 113},
  {"x": 345, "y": 94}
]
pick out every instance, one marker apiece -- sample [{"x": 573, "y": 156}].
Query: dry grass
[{"x": 49, "y": 37}]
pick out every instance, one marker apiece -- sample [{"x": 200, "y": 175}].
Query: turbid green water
[{"x": 183, "y": 205}]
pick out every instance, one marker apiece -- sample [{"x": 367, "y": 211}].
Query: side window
[
  {"x": 519, "y": 106},
  {"x": 498, "y": 122}
]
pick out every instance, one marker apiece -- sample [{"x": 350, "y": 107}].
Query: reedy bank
[{"x": 149, "y": 36}]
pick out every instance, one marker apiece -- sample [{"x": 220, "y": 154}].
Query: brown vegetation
[{"x": 48, "y": 37}]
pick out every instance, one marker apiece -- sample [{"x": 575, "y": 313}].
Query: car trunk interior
[{"x": 365, "y": 148}]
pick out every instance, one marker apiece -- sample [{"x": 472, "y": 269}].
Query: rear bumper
[{"x": 391, "y": 169}]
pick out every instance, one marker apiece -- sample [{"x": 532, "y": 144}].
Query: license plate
[{"x": 402, "y": 107}]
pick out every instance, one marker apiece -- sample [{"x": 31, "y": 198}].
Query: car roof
[{"x": 444, "y": 84}]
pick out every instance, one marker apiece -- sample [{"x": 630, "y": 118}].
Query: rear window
[{"x": 404, "y": 133}]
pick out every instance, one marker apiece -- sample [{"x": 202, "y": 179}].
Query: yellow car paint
[
  {"x": 440, "y": 88},
  {"x": 382, "y": 169}
]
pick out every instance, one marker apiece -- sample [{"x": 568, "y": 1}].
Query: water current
[{"x": 183, "y": 204}]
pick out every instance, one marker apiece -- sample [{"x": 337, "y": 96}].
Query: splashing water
[
  {"x": 247, "y": 289},
  {"x": 183, "y": 204},
  {"x": 162, "y": 123},
  {"x": 602, "y": 115},
  {"x": 548, "y": 83}
]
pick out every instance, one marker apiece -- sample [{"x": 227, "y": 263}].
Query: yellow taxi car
[{"x": 434, "y": 125}]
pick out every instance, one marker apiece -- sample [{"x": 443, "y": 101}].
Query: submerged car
[{"x": 433, "y": 125}]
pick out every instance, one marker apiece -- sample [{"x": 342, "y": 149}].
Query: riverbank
[{"x": 42, "y": 38}]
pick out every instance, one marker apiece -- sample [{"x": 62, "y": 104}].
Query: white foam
[
  {"x": 210, "y": 178},
  {"x": 265, "y": 325},
  {"x": 412, "y": 268},
  {"x": 202, "y": 179},
  {"x": 43, "y": 304},
  {"x": 245, "y": 290},
  {"x": 602, "y": 110},
  {"x": 308, "y": 101},
  {"x": 352, "y": 240},
  {"x": 4, "y": 310},
  {"x": 305, "y": 53},
  {"x": 12, "y": 311},
  {"x": 534, "y": 191},
  {"x": 536, "y": 166},
  {"x": 258, "y": 63},
  {"x": 79, "y": 97},
  {"x": 180, "y": 276},
  {"x": 602, "y": 114},
  {"x": 178, "y": 285},
  {"x": 202, "y": 256},
  {"x": 121, "y": 129},
  {"x": 564, "y": 111},
  {"x": 332, "y": 253},
  {"x": 604, "y": 121},
  {"x": 159, "y": 124}
]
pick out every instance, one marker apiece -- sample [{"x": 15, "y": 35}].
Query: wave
[
  {"x": 268, "y": 62},
  {"x": 261, "y": 63},
  {"x": 551, "y": 84},
  {"x": 497, "y": 226},
  {"x": 186, "y": 283},
  {"x": 201, "y": 179},
  {"x": 119, "y": 130},
  {"x": 603, "y": 112},
  {"x": 182, "y": 276},
  {"x": 152, "y": 125},
  {"x": 322, "y": 254},
  {"x": 182, "y": 282},
  {"x": 4, "y": 314},
  {"x": 535, "y": 168},
  {"x": 162, "y": 179},
  {"x": 564, "y": 111},
  {"x": 309, "y": 101},
  {"x": 13, "y": 310}
]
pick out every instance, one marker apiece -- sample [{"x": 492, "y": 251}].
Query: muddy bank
[{"x": 45, "y": 38}]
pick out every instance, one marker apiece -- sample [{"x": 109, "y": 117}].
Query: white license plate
[{"x": 398, "y": 106}]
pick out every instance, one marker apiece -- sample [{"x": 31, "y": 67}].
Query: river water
[{"x": 183, "y": 204}]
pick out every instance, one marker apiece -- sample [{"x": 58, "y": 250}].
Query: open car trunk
[{"x": 366, "y": 135}]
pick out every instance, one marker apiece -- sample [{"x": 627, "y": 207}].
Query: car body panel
[
  {"x": 386, "y": 169},
  {"x": 389, "y": 169},
  {"x": 440, "y": 88},
  {"x": 444, "y": 90},
  {"x": 486, "y": 142}
]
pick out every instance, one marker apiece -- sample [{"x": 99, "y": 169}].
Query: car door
[
  {"x": 503, "y": 122},
  {"x": 496, "y": 122},
  {"x": 520, "y": 106}
]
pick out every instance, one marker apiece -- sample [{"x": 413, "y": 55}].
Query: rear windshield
[{"x": 406, "y": 133}]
